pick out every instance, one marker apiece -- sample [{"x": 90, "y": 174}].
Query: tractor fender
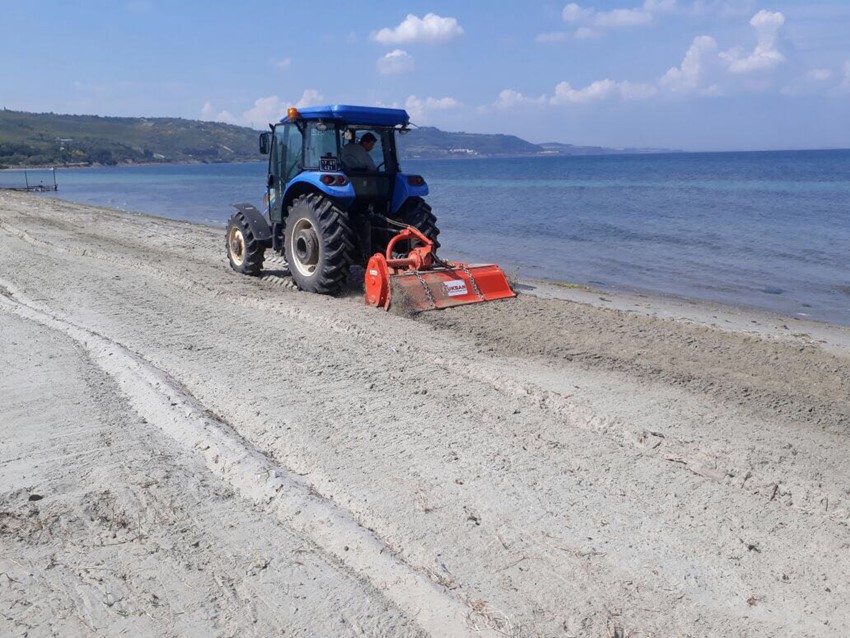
[
  {"x": 310, "y": 182},
  {"x": 257, "y": 223},
  {"x": 404, "y": 190}
]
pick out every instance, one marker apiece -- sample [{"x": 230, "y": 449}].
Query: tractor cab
[
  {"x": 314, "y": 148},
  {"x": 335, "y": 195}
]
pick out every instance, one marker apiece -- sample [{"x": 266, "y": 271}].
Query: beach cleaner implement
[{"x": 422, "y": 281}]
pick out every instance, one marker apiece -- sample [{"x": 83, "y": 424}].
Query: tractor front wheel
[
  {"x": 243, "y": 250},
  {"x": 319, "y": 244}
]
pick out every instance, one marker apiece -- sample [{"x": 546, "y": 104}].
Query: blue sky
[{"x": 689, "y": 74}]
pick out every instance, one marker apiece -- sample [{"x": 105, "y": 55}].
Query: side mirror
[{"x": 265, "y": 143}]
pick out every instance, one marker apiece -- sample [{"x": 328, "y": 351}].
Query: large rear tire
[
  {"x": 244, "y": 251},
  {"x": 417, "y": 213},
  {"x": 414, "y": 212},
  {"x": 319, "y": 244}
]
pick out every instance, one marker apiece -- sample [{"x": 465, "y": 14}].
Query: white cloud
[
  {"x": 419, "y": 109},
  {"x": 265, "y": 110},
  {"x": 574, "y": 13},
  {"x": 637, "y": 90},
  {"x": 634, "y": 17},
  {"x": 813, "y": 82},
  {"x": 659, "y": 6},
  {"x": 845, "y": 82},
  {"x": 723, "y": 8},
  {"x": 396, "y": 62},
  {"x": 432, "y": 29},
  {"x": 209, "y": 114},
  {"x": 703, "y": 70},
  {"x": 586, "y": 33},
  {"x": 623, "y": 18},
  {"x": 282, "y": 65},
  {"x": 765, "y": 56},
  {"x": 601, "y": 90},
  {"x": 565, "y": 94},
  {"x": 310, "y": 97},
  {"x": 819, "y": 75},
  {"x": 508, "y": 98},
  {"x": 688, "y": 77},
  {"x": 551, "y": 38}
]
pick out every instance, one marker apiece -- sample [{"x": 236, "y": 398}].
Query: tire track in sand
[
  {"x": 165, "y": 404},
  {"x": 808, "y": 497}
]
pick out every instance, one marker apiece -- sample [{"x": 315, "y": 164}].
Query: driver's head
[{"x": 368, "y": 141}]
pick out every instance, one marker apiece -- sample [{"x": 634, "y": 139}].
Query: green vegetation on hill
[
  {"x": 35, "y": 139},
  {"x": 47, "y": 139}
]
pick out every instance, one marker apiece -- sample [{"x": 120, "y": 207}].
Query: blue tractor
[{"x": 336, "y": 195}]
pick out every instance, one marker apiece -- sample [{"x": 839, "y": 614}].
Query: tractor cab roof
[{"x": 351, "y": 115}]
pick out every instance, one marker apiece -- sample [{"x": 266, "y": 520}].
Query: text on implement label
[{"x": 455, "y": 287}]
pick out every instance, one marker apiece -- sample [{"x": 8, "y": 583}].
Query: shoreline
[
  {"x": 549, "y": 286},
  {"x": 740, "y": 318},
  {"x": 611, "y": 153}
]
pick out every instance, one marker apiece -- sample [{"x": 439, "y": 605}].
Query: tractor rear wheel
[
  {"x": 319, "y": 244},
  {"x": 417, "y": 213},
  {"x": 414, "y": 212},
  {"x": 243, "y": 250}
]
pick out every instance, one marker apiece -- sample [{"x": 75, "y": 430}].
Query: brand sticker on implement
[{"x": 455, "y": 287}]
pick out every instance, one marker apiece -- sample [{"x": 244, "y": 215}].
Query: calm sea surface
[{"x": 769, "y": 230}]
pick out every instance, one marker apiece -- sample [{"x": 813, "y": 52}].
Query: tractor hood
[{"x": 354, "y": 115}]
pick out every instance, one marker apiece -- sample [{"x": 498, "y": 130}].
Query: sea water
[{"x": 769, "y": 230}]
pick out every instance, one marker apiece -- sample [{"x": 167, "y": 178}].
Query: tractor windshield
[
  {"x": 350, "y": 145},
  {"x": 375, "y": 142}
]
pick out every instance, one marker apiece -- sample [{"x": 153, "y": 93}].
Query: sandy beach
[{"x": 188, "y": 451}]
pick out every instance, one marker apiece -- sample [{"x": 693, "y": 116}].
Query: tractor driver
[{"x": 355, "y": 155}]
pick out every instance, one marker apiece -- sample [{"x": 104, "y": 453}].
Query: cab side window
[
  {"x": 291, "y": 160},
  {"x": 278, "y": 154}
]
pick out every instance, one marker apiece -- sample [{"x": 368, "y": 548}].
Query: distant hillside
[
  {"x": 430, "y": 142},
  {"x": 47, "y": 139},
  {"x": 556, "y": 148}
]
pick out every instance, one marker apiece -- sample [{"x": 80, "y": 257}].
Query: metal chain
[
  {"x": 426, "y": 287},
  {"x": 472, "y": 281}
]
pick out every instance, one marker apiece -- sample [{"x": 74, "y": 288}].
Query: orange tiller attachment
[{"x": 420, "y": 281}]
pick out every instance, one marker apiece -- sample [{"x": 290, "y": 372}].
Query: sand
[{"x": 188, "y": 451}]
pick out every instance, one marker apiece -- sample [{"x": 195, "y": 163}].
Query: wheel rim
[
  {"x": 304, "y": 248},
  {"x": 236, "y": 244}
]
